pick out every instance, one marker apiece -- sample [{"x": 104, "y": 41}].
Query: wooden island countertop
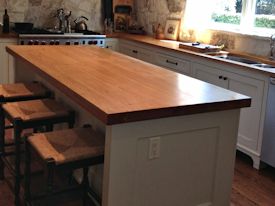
[{"x": 119, "y": 89}]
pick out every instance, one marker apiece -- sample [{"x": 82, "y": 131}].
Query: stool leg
[
  {"x": 27, "y": 182},
  {"x": 71, "y": 121},
  {"x": 49, "y": 128},
  {"x": 2, "y": 142},
  {"x": 85, "y": 184},
  {"x": 17, "y": 141},
  {"x": 50, "y": 177}
]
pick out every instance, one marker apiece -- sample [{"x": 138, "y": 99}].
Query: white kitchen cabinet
[
  {"x": 249, "y": 135},
  {"x": 173, "y": 63},
  {"x": 137, "y": 52},
  {"x": 112, "y": 43},
  {"x": 6, "y": 61}
]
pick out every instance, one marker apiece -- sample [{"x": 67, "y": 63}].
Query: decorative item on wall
[
  {"x": 122, "y": 18},
  {"x": 176, "y": 5},
  {"x": 172, "y": 29}
]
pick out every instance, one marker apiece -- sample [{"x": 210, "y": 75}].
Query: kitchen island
[{"x": 170, "y": 139}]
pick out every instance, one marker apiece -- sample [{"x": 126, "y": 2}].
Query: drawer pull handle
[
  {"x": 225, "y": 78},
  {"x": 135, "y": 51},
  {"x": 170, "y": 62}
]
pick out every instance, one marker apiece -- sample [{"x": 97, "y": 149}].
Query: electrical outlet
[{"x": 154, "y": 148}]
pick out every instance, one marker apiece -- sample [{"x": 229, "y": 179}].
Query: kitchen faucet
[{"x": 272, "y": 45}]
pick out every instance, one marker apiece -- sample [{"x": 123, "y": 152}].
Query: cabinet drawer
[
  {"x": 128, "y": 50},
  {"x": 175, "y": 64}
]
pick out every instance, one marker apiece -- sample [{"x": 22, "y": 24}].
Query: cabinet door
[
  {"x": 250, "y": 119},
  {"x": 174, "y": 64},
  {"x": 210, "y": 75}
]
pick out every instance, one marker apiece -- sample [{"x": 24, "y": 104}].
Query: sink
[
  {"x": 247, "y": 61},
  {"x": 239, "y": 59},
  {"x": 266, "y": 66}
]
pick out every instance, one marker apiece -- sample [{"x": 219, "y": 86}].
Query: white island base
[
  {"x": 194, "y": 168},
  {"x": 175, "y": 161}
]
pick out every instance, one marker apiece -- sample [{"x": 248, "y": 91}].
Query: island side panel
[{"x": 195, "y": 166}]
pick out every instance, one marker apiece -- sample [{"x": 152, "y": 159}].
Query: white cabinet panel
[
  {"x": 112, "y": 44},
  {"x": 6, "y": 64},
  {"x": 250, "y": 119},
  {"x": 137, "y": 52},
  {"x": 210, "y": 75}
]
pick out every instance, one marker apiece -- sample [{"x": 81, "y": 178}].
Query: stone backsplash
[{"x": 41, "y": 12}]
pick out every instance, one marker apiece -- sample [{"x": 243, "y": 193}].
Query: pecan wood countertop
[{"x": 116, "y": 88}]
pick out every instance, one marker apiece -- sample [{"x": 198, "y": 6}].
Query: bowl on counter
[{"x": 23, "y": 26}]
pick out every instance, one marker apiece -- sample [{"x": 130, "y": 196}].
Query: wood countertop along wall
[
  {"x": 117, "y": 89},
  {"x": 174, "y": 46}
]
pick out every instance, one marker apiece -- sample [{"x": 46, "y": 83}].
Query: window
[{"x": 244, "y": 16}]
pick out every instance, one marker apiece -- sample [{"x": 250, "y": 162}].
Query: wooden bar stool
[
  {"x": 31, "y": 114},
  {"x": 64, "y": 149},
  {"x": 14, "y": 93}
]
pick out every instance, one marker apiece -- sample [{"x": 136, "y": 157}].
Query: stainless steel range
[{"x": 39, "y": 38}]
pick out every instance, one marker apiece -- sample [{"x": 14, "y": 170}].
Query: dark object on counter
[
  {"x": 23, "y": 26},
  {"x": 80, "y": 24},
  {"x": 122, "y": 18},
  {"x": 108, "y": 9},
  {"x": 136, "y": 30},
  {"x": 6, "y": 22}
]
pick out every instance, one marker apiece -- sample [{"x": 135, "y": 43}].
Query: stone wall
[
  {"x": 41, "y": 12},
  {"x": 154, "y": 12}
]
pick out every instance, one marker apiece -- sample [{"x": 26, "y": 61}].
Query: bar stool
[
  {"x": 31, "y": 114},
  {"x": 64, "y": 149},
  {"x": 14, "y": 93}
]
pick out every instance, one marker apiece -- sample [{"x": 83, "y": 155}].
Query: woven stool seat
[
  {"x": 35, "y": 109},
  {"x": 20, "y": 90},
  {"x": 68, "y": 145}
]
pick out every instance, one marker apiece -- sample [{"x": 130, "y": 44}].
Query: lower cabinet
[
  {"x": 249, "y": 135},
  {"x": 112, "y": 43},
  {"x": 137, "y": 52},
  {"x": 175, "y": 64},
  {"x": 6, "y": 61}
]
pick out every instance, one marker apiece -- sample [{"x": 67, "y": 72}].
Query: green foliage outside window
[
  {"x": 236, "y": 19},
  {"x": 224, "y": 18}
]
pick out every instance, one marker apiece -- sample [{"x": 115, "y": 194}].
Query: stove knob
[
  {"x": 22, "y": 42},
  {"x": 30, "y": 42},
  {"x": 36, "y": 42},
  {"x": 95, "y": 42},
  {"x": 76, "y": 43},
  {"x": 57, "y": 42},
  {"x": 52, "y": 42},
  {"x": 68, "y": 43},
  {"x": 90, "y": 42},
  {"x": 43, "y": 43}
]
